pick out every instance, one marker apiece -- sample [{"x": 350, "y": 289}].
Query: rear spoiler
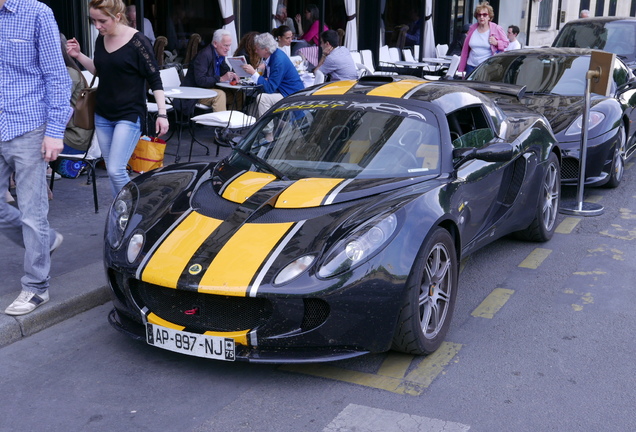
[{"x": 491, "y": 87}]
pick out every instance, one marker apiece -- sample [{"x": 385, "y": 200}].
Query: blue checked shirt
[{"x": 35, "y": 87}]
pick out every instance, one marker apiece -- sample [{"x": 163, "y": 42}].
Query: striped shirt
[{"x": 35, "y": 87}]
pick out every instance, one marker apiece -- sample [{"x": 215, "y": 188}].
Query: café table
[
  {"x": 427, "y": 64},
  {"x": 183, "y": 116}
]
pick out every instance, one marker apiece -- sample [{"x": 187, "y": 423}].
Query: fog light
[{"x": 134, "y": 247}]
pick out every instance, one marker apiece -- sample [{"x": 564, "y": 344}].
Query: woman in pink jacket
[{"x": 484, "y": 39}]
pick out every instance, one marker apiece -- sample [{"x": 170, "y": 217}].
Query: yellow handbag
[{"x": 148, "y": 154}]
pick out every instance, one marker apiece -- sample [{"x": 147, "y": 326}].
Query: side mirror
[{"x": 497, "y": 152}]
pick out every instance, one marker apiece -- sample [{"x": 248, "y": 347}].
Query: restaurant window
[
  {"x": 545, "y": 15},
  {"x": 612, "y": 8},
  {"x": 177, "y": 20},
  {"x": 600, "y": 7}
]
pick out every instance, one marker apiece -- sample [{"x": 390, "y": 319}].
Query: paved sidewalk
[{"x": 78, "y": 280}]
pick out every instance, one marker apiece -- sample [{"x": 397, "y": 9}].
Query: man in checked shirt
[{"x": 34, "y": 109}]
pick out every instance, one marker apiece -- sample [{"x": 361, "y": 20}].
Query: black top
[{"x": 121, "y": 94}]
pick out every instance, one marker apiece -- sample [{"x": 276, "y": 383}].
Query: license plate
[{"x": 214, "y": 347}]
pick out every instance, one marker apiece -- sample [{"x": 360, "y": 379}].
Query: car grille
[
  {"x": 202, "y": 312},
  {"x": 569, "y": 169},
  {"x": 316, "y": 313}
]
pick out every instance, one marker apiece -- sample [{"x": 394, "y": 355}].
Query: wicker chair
[
  {"x": 192, "y": 49},
  {"x": 160, "y": 47}
]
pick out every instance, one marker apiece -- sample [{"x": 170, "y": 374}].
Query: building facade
[{"x": 538, "y": 20}]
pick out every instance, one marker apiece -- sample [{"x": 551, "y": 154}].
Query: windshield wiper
[{"x": 261, "y": 162}]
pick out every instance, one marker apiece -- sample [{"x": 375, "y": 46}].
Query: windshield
[
  {"x": 618, "y": 37},
  {"x": 334, "y": 142},
  {"x": 561, "y": 75}
]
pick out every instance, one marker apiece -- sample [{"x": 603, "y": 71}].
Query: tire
[
  {"x": 618, "y": 162},
  {"x": 430, "y": 297},
  {"x": 542, "y": 227}
]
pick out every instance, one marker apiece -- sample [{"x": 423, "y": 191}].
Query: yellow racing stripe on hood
[
  {"x": 309, "y": 192},
  {"x": 336, "y": 88},
  {"x": 246, "y": 185},
  {"x": 395, "y": 89},
  {"x": 171, "y": 258},
  {"x": 236, "y": 265}
]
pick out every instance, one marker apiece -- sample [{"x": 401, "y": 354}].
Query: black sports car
[
  {"x": 334, "y": 228},
  {"x": 555, "y": 86}
]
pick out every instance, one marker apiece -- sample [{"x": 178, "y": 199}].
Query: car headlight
[
  {"x": 359, "y": 246},
  {"x": 594, "y": 120},
  {"x": 119, "y": 215}
]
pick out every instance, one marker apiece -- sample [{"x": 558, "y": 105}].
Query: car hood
[{"x": 257, "y": 223}]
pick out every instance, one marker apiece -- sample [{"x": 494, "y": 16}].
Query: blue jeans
[
  {"x": 117, "y": 140},
  {"x": 29, "y": 226}
]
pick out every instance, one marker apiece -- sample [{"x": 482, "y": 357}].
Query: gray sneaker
[
  {"x": 59, "y": 238},
  {"x": 26, "y": 302}
]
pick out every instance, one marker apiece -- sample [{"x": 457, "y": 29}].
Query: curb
[{"x": 71, "y": 293}]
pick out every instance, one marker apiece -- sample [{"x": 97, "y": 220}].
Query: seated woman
[
  {"x": 283, "y": 35},
  {"x": 312, "y": 35},
  {"x": 247, "y": 48}
]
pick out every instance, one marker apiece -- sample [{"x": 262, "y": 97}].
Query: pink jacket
[{"x": 496, "y": 31}]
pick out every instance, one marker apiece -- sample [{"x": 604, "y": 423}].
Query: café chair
[
  {"x": 226, "y": 124},
  {"x": 90, "y": 158}
]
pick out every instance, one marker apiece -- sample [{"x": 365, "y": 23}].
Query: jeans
[
  {"x": 117, "y": 140},
  {"x": 29, "y": 226}
]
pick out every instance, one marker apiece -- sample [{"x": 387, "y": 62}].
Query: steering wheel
[{"x": 411, "y": 161}]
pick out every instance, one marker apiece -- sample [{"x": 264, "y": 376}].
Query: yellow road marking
[
  {"x": 567, "y": 225},
  {"x": 536, "y": 257},
  {"x": 492, "y": 303},
  {"x": 394, "y": 367},
  {"x": 594, "y": 198},
  {"x": 433, "y": 364}
]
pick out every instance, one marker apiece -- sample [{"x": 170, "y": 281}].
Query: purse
[
  {"x": 84, "y": 115},
  {"x": 148, "y": 154}
]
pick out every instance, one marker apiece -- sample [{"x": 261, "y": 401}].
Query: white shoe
[
  {"x": 59, "y": 238},
  {"x": 26, "y": 302}
]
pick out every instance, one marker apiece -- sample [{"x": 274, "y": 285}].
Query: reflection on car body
[
  {"x": 554, "y": 80},
  {"x": 336, "y": 226}
]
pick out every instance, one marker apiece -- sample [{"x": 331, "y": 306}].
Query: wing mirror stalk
[{"x": 498, "y": 152}]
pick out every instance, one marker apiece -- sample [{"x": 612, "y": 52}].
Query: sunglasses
[{"x": 483, "y": 14}]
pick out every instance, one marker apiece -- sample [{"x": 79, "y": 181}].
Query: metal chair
[{"x": 91, "y": 158}]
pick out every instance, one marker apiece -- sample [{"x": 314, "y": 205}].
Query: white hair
[
  {"x": 280, "y": 7},
  {"x": 220, "y": 34},
  {"x": 266, "y": 41}
]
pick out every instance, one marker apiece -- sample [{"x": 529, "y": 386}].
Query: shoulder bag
[{"x": 84, "y": 115}]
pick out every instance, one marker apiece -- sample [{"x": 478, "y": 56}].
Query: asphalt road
[{"x": 542, "y": 339}]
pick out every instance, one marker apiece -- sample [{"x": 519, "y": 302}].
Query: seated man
[
  {"x": 209, "y": 67},
  {"x": 131, "y": 15},
  {"x": 336, "y": 60},
  {"x": 280, "y": 77}
]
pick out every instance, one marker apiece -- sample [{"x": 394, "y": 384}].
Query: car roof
[
  {"x": 600, "y": 20},
  {"x": 548, "y": 51}
]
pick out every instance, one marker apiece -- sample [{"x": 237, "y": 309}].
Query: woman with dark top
[
  {"x": 124, "y": 62},
  {"x": 247, "y": 48}
]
